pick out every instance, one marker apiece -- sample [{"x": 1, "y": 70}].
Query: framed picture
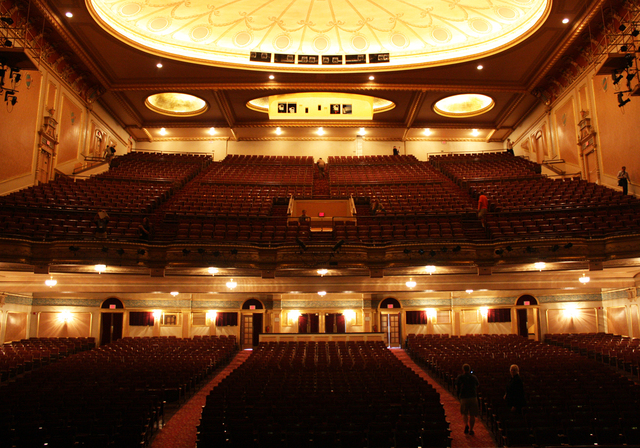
[
  {"x": 346, "y": 109},
  {"x": 282, "y": 108},
  {"x": 292, "y": 108},
  {"x": 335, "y": 109}
]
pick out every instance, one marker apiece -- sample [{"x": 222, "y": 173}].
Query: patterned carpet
[
  {"x": 180, "y": 430},
  {"x": 481, "y": 438}
]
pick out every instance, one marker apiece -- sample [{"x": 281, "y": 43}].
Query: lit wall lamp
[
  {"x": 430, "y": 269},
  {"x": 213, "y": 271},
  {"x": 571, "y": 312},
  {"x": 294, "y": 315},
  {"x": 432, "y": 314},
  {"x": 584, "y": 279},
  {"x": 211, "y": 316},
  {"x": 484, "y": 311},
  {"x": 349, "y": 315},
  {"x": 231, "y": 284},
  {"x": 100, "y": 268},
  {"x": 51, "y": 282},
  {"x": 65, "y": 316},
  {"x": 157, "y": 314}
]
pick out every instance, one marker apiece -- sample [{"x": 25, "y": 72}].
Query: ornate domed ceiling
[{"x": 321, "y": 35}]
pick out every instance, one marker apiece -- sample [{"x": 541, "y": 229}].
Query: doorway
[
  {"x": 110, "y": 327},
  {"x": 390, "y": 327}
]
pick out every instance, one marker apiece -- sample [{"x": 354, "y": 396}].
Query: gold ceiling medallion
[
  {"x": 320, "y": 106},
  {"x": 464, "y": 105},
  {"x": 337, "y": 36},
  {"x": 176, "y": 104}
]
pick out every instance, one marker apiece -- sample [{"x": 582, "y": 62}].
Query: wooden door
[{"x": 247, "y": 330}]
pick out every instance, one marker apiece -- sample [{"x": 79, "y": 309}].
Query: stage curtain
[{"x": 416, "y": 318}]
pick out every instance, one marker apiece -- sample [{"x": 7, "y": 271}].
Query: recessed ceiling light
[
  {"x": 371, "y": 78},
  {"x": 320, "y": 131},
  {"x": 278, "y": 130},
  {"x": 51, "y": 282},
  {"x": 272, "y": 77},
  {"x": 163, "y": 131},
  {"x": 565, "y": 20},
  {"x": 212, "y": 131},
  {"x": 174, "y": 293},
  {"x": 362, "y": 131},
  {"x": 213, "y": 271},
  {"x": 69, "y": 14},
  {"x": 159, "y": 65},
  {"x": 322, "y": 293},
  {"x": 475, "y": 133},
  {"x": 427, "y": 131},
  {"x": 231, "y": 284},
  {"x": 410, "y": 283},
  {"x": 479, "y": 67}
]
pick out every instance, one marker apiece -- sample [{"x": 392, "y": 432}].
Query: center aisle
[
  {"x": 180, "y": 430},
  {"x": 482, "y": 437}
]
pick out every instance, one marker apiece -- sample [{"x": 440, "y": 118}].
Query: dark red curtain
[
  {"x": 227, "y": 320},
  {"x": 314, "y": 323},
  {"x": 499, "y": 315},
  {"x": 111, "y": 327},
  {"x": 341, "y": 323},
  {"x": 257, "y": 328},
  {"x": 329, "y": 322},
  {"x": 522, "y": 323},
  {"x": 416, "y": 318},
  {"x": 141, "y": 319},
  {"x": 303, "y": 324}
]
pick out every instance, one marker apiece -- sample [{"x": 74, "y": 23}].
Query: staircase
[{"x": 321, "y": 184}]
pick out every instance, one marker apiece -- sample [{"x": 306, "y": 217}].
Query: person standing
[
  {"x": 515, "y": 391},
  {"x": 321, "y": 165},
  {"x": 483, "y": 205},
  {"x": 510, "y": 147},
  {"x": 623, "y": 180},
  {"x": 467, "y": 391},
  {"x": 396, "y": 151}
]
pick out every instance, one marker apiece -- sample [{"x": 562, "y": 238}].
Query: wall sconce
[
  {"x": 51, "y": 282},
  {"x": 430, "y": 269},
  {"x": 65, "y": 316},
  {"x": 231, "y": 284},
  {"x": 410, "y": 283},
  {"x": 484, "y": 311},
  {"x": 349, "y": 315},
  {"x": 469, "y": 291},
  {"x": 322, "y": 272},
  {"x": 174, "y": 293},
  {"x": 294, "y": 316},
  {"x": 322, "y": 293},
  {"x": 540, "y": 265},
  {"x": 157, "y": 314},
  {"x": 211, "y": 316},
  {"x": 100, "y": 268},
  {"x": 213, "y": 271},
  {"x": 571, "y": 312},
  {"x": 584, "y": 279},
  {"x": 432, "y": 314}
]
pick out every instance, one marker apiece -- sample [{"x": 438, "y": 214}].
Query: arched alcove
[
  {"x": 257, "y": 305},
  {"x": 112, "y": 304},
  {"x": 390, "y": 301}
]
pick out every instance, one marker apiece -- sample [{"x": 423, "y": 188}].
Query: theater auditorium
[{"x": 289, "y": 224}]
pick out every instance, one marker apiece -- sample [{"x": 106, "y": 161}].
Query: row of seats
[
  {"x": 110, "y": 396},
  {"x": 242, "y": 159},
  {"x": 308, "y": 394},
  {"x": 371, "y": 160},
  {"x": 571, "y": 400}
]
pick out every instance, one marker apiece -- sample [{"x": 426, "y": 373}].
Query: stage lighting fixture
[
  {"x": 622, "y": 27},
  {"x": 554, "y": 248},
  {"x": 141, "y": 251},
  {"x": 635, "y": 33},
  {"x": 432, "y": 253},
  {"x": 201, "y": 251},
  {"x": 499, "y": 251},
  {"x": 622, "y": 102},
  {"x": 234, "y": 251},
  {"x": 185, "y": 252},
  {"x": 216, "y": 253},
  {"x": 568, "y": 245},
  {"x": 10, "y": 96},
  {"x": 615, "y": 77},
  {"x": 407, "y": 251},
  {"x": 17, "y": 78},
  {"x": 7, "y": 43},
  {"x": 443, "y": 250},
  {"x": 629, "y": 59},
  {"x": 624, "y": 48},
  {"x": 630, "y": 76},
  {"x": 120, "y": 251},
  {"x": 7, "y": 20},
  {"x": 457, "y": 249},
  {"x": 421, "y": 251},
  {"x": 509, "y": 248},
  {"x": 105, "y": 249}
]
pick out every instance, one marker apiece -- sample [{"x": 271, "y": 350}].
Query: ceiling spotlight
[
  {"x": 427, "y": 131},
  {"x": 69, "y": 14},
  {"x": 8, "y": 43},
  {"x": 213, "y": 271},
  {"x": 469, "y": 291},
  {"x": 475, "y": 132},
  {"x": 320, "y": 131},
  {"x": 272, "y": 77},
  {"x": 100, "y": 268},
  {"x": 174, "y": 293},
  {"x": 51, "y": 282},
  {"x": 615, "y": 77},
  {"x": 212, "y": 131},
  {"x": 410, "y": 283},
  {"x": 159, "y": 65},
  {"x": 322, "y": 272},
  {"x": 565, "y": 20},
  {"x": 622, "y": 102},
  {"x": 584, "y": 279},
  {"x": 479, "y": 67},
  {"x": 540, "y": 265},
  {"x": 371, "y": 78},
  {"x": 430, "y": 269},
  {"x": 624, "y": 48},
  {"x": 322, "y": 293},
  {"x": 231, "y": 284},
  {"x": 278, "y": 131}
]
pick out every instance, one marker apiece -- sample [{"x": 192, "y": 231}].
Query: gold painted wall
[
  {"x": 18, "y": 126},
  {"x": 584, "y": 322},
  {"x": 16, "y": 327},
  {"x": 50, "y": 325},
  {"x": 70, "y": 127},
  {"x": 617, "y": 320},
  {"x": 566, "y": 125},
  {"x": 617, "y": 129}
]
